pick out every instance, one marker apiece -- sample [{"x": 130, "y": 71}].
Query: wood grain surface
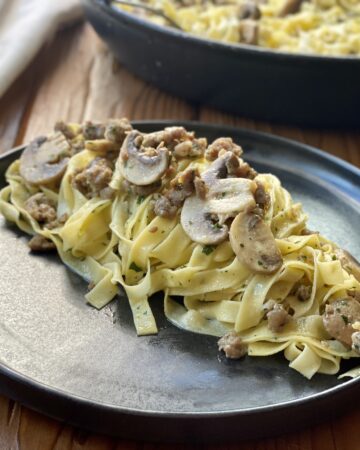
[{"x": 76, "y": 78}]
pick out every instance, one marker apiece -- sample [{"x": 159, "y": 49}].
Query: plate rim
[
  {"x": 333, "y": 391},
  {"x": 330, "y": 394}
]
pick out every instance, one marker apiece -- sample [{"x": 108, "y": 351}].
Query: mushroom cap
[
  {"x": 225, "y": 198},
  {"x": 197, "y": 223},
  {"x": 254, "y": 244},
  {"x": 140, "y": 166},
  {"x": 231, "y": 195},
  {"x": 45, "y": 159}
]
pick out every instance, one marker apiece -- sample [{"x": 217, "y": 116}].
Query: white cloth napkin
[{"x": 25, "y": 25}]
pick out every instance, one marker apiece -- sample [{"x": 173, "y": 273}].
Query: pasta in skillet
[
  {"x": 325, "y": 27},
  {"x": 166, "y": 212}
]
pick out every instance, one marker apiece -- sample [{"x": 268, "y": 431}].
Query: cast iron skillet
[
  {"x": 246, "y": 80},
  {"x": 88, "y": 367}
]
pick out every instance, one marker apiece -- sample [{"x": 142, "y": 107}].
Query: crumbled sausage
[
  {"x": 116, "y": 130},
  {"x": 65, "y": 129},
  {"x": 190, "y": 148},
  {"x": 303, "y": 292},
  {"x": 232, "y": 165},
  {"x": 94, "y": 179},
  {"x": 233, "y": 346},
  {"x": 93, "y": 131},
  {"x": 262, "y": 198},
  {"x": 39, "y": 243},
  {"x": 355, "y": 338},
  {"x": 245, "y": 171},
  {"x": 224, "y": 143},
  {"x": 354, "y": 294},
  {"x": 164, "y": 208},
  {"x": 57, "y": 222},
  {"x": 182, "y": 186},
  {"x": 41, "y": 208},
  {"x": 339, "y": 317},
  {"x": 170, "y": 137},
  {"x": 277, "y": 317}
]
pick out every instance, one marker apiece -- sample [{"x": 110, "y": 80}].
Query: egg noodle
[
  {"x": 325, "y": 27},
  {"x": 121, "y": 242}
]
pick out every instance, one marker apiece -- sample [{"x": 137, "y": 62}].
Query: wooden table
[{"x": 75, "y": 78}]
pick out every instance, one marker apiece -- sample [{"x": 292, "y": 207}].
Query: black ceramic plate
[
  {"x": 246, "y": 80},
  {"x": 68, "y": 360}
]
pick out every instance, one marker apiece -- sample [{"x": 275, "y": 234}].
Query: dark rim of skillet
[
  {"x": 347, "y": 386},
  {"x": 220, "y": 46}
]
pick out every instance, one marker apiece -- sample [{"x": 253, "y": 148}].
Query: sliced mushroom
[
  {"x": 254, "y": 244},
  {"x": 290, "y": 7},
  {"x": 348, "y": 262},
  {"x": 139, "y": 165},
  {"x": 339, "y": 318},
  {"x": 226, "y": 164},
  {"x": 45, "y": 159},
  {"x": 199, "y": 225},
  {"x": 249, "y": 10},
  {"x": 203, "y": 216},
  {"x": 231, "y": 195},
  {"x": 249, "y": 32},
  {"x": 200, "y": 217}
]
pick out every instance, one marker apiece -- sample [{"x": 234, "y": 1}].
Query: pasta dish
[
  {"x": 169, "y": 212},
  {"x": 325, "y": 27}
]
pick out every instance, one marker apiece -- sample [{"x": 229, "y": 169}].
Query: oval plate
[{"x": 88, "y": 367}]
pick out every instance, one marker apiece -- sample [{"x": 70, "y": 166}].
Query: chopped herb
[
  {"x": 190, "y": 222},
  {"x": 242, "y": 245},
  {"x": 207, "y": 249},
  {"x": 334, "y": 258},
  {"x": 260, "y": 263},
  {"x": 217, "y": 226},
  {"x": 223, "y": 194},
  {"x": 140, "y": 199},
  {"x": 135, "y": 268},
  {"x": 345, "y": 319}
]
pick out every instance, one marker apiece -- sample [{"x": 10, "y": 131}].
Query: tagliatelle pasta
[
  {"x": 325, "y": 27},
  {"x": 138, "y": 237}
]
